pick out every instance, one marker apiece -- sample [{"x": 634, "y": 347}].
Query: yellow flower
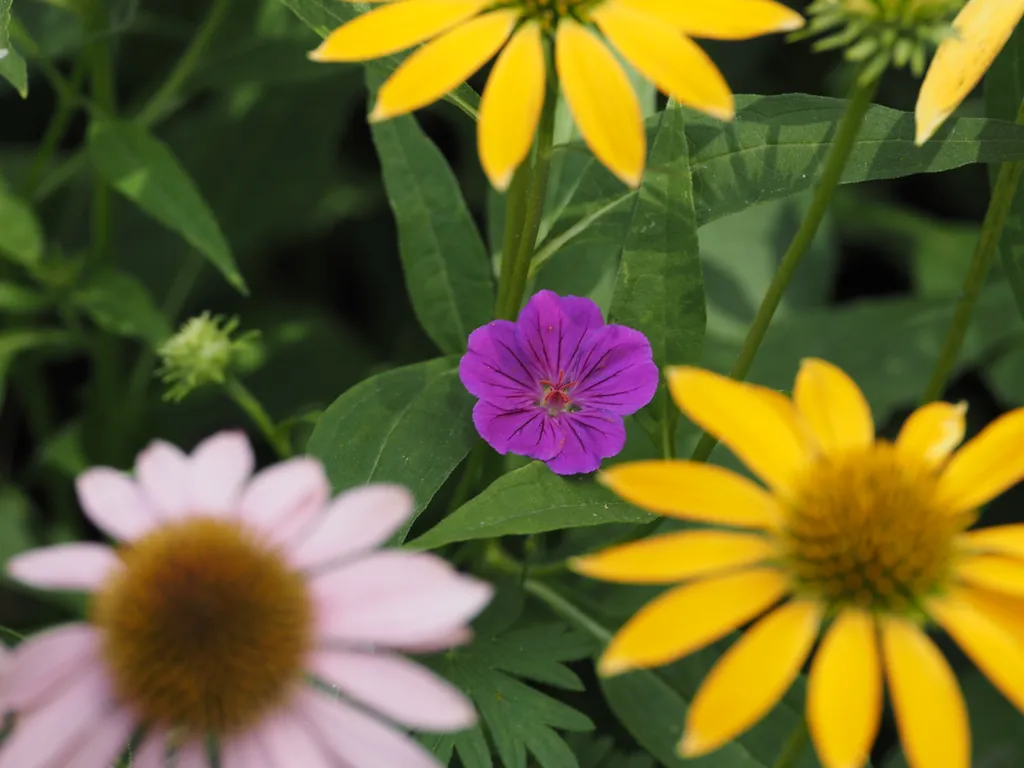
[
  {"x": 866, "y": 535},
  {"x": 981, "y": 29},
  {"x": 653, "y": 35}
]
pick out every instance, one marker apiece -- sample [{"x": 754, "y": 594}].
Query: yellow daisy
[
  {"x": 653, "y": 35},
  {"x": 867, "y": 536},
  {"x": 981, "y": 29}
]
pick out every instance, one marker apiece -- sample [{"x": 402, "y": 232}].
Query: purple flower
[{"x": 555, "y": 384}]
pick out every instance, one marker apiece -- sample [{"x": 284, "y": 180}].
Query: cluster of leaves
[{"x": 684, "y": 258}]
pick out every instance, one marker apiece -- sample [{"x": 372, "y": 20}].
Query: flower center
[
  {"x": 867, "y": 529},
  {"x": 548, "y": 12},
  {"x": 556, "y": 395},
  {"x": 204, "y": 628}
]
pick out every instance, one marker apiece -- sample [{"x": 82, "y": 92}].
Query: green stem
[
  {"x": 838, "y": 154},
  {"x": 101, "y": 76},
  {"x": 999, "y": 207},
  {"x": 564, "y": 608},
  {"x": 245, "y": 400},
  {"x": 162, "y": 102},
  {"x": 527, "y": 197},
  {"x": 55, "y": 130},
  {"x": 669, "y": 420},
  {"x": 794, "y": 747},
  {"x": 499, "y": 560}
]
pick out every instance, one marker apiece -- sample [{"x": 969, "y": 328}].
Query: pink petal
[
  {"x": 45, "y": 661},
  {"x": 152, "y": 753},
  {"x": 243, "y": 751},
  {"x": 162, "y": 472},
  {"x": 220, "y": 467},
  {"x": 43, "y": 735},
  {"x": 442, "y": 642},
  {"x": 397, "y": 688},
  {"x": 359, "y": 739},
  {"x": 104, "y": 743},
  {"x": 283, "y": 498},
  {"x": 79, "y": 566},
  {"x": 289, "y": 741},
  {"x": 192, "y": 755},
  {"x": 356, "y": 521},
  {"x": 114, "y": 503},
  {"x": 396, "y": 597}
]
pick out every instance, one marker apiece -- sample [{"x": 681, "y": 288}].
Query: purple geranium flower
[{"x": 555, "y": 384}]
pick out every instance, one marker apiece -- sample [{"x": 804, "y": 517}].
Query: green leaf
[
  {"x": 21, "y": 236},
  {"x": 600, "y": 752},
  {"x": 15, "y": 510},
  {"x": 324, "y": 16},
  {"x": 143, "y": 169},
  {"x": 775, "y": 147},
  {"x": 659, "y": 289},
  {"x": 1004, "y": 91},
  {"x": 14, "y": 343},
  {"x": 447, "y": 270},
  {"x": 531, "y": 499},
  {"x": 120, "y": 304},
  {"x": 412, "y": 426},
  {"x": 517, "y": 718},
  {"x": 19, "y": 300},
  {"x": 12, "y": 65}
]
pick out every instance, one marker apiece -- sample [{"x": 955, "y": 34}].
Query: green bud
[{"x": 202, "y": 352}]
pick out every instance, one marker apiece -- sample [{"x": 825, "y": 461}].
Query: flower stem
[
  {"x": 55, "y": 130},
  {"x": 255, "y": 411},
  {"x": 794, "y": 746},
  {"x": 101, "y": 76},
  {"x": 838, "y": 154},
  {"x": 669, "y": 420},
  {"x": 998, "y": 211},
  {"x": 524, "y": 210},
  {"x": 565, "y": 609}
]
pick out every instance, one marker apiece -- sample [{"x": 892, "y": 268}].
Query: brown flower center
[
  {"x": 867, "y": 529},
  {"x": 205, "y": 628}
]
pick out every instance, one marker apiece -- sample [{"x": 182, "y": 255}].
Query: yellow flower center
[
  {"x": 868, "y": 529},
  {"x": 204, "y": 628}
]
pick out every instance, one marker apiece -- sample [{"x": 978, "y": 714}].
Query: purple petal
[
  {"x": 550, "y": 329},
  {"x": 525, "y": 431},
  {"x": 614, "y": 371},
  {"x": 494, "y": 367},
  {"x": 589, "y": 437}
]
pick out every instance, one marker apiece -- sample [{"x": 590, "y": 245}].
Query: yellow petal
[
  {"x": 751, "y": 677},
  {"x": 601, "y": 100},
  {"x": 974, "y": 622},
  {"x": 442, "y": 64},
  {"x": 981, "y": 30},
  {"x": 930, "y": 712},
  {"x": 985, "y": 466},
  {"x": 723, "y": 19},
  {"x": 833, "y": 407},
  {"x": 765, "y": 433},
  {"x": 675, "y": 557},
  {"x": 844, "y": 691},
  {"x": 1002, "y": 574},
  {"x": 998, "y": 539},
  {"x": 685, "y": 619},
  {"x": 932, "y": 432},
  {"x": 511, "y": 105},
  {"x": 394, "y": 27},
  {"x": 675, "y": 64},
  {"x": 690, "y": 490}
]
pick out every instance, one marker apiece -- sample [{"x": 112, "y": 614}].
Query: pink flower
[{"x": 228, "y": 591}]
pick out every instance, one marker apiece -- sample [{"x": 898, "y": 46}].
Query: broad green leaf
[
  {"x": 323, "y": 16},
  {"x": 12, "y": 65},
  {"x": 775, "y": 147},
  {"x": 21, "y": 236},
  {"x": 13, "y": 343},
  {"x": 412, "y": 426},
  {"x": 1004, "y": 91},
  {"x": 447, "y": 269},
  {"x": 143, "y": 169},
  {"x": 519, "y": 719},
  {"x": 659, "y": 289},
  {"x": 531, "y": 499},
  {"x": 16, "y": 299},
  {"x": 120, "y": 304}
]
